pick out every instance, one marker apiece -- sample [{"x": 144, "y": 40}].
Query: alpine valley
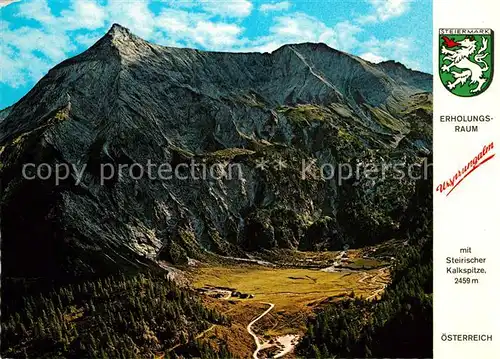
[{"x": 309, "y": 237}]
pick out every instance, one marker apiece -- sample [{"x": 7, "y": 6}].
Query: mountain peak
[
  {"x": 119, "y": 40},
  {"x": 117, "y": 29},
  {"x": 119, "y": 34}
]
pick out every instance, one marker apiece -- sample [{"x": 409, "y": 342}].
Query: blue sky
[{"x": 35, "y": 35}]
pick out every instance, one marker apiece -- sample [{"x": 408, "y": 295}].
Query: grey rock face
[{"x": 125, "y": 101}]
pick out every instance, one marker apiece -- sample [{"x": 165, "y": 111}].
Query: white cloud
[
  {"x": 37, "y": 10},
  {"x": 279, "y": 6},
  {"x": 300, "y": 27},
  {"x": 133, "y": 14},
  {"x": 194, "y": 30},
  {"x": 370, "y": 56},
  {"x": 30, "y": 51},
  {"x": 7, "y": 2},
  {"x": 28, "y": 40},
  {"x": 174, "y": 22},
  {"x": 87, "y": 40},
  {"x": 232, "y": 8},
  {"x": 399, "y": 49},
  {"x": 346, "y": 33},
  {"x": 84, "y": 14},
  {"x": 387, "y": 9},
  {"x": 182, "y": 3},
  {"x": 210, "y": 34},
  {"x": 384, "y": 10},
  {"x": 20, "y": 68}
]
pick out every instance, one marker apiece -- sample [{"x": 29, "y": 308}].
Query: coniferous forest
[
  {"x": 120, "y": 316},
  {"x": 397, "y": 326}
]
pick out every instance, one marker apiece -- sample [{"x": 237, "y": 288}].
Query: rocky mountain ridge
[{"x": 125, "y": 101}]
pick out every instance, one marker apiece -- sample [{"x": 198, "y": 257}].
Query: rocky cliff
[{"x": 270, "y": 128}]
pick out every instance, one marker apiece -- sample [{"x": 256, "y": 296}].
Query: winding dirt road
[{"x": 255, "y": 337}]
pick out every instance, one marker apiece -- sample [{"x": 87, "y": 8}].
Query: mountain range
[{"x": 127, "y": 102}]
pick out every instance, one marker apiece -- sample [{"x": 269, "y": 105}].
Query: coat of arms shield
[{"x": 466, "y": 60}]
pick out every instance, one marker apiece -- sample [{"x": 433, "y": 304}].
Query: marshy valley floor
[{"x": 243, "y": 292}]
